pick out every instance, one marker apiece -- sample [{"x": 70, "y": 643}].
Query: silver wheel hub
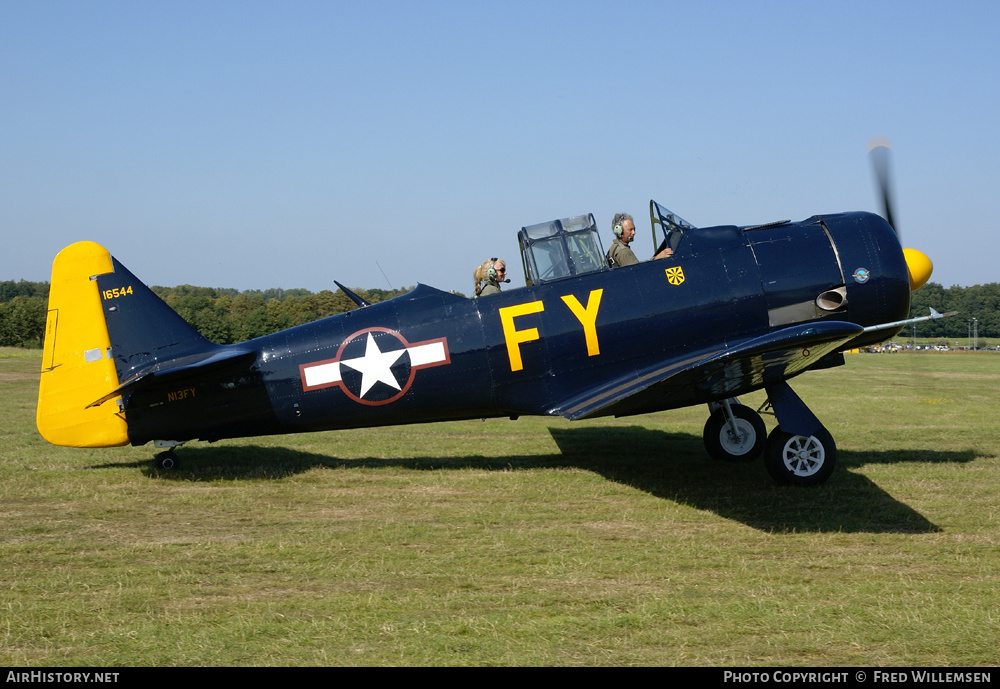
[
  {"x": 738, "y": 443},
  {"x": 803, "y": 456}
]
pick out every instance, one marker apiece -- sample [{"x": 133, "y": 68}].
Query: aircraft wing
[{"x": 713, "y": 374}]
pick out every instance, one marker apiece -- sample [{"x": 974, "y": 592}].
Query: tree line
[
  {"x": 980, "y": 302},
  {"x": 23, "y": 306},
  {"x": 222, "y": 315},
  {"x": 226, "y": 316}
]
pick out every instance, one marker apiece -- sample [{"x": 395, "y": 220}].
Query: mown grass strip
[{"x": 535, "y": 542}]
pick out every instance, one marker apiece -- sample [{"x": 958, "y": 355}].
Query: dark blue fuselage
[{"x": 432, "y": 356}]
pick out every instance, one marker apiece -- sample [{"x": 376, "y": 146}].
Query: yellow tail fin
[{"x": 77, "y": 367}]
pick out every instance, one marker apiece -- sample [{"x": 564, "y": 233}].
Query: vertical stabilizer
[
  {"x": 145, "y": 333},
  {"x": 77, "y": 367}
]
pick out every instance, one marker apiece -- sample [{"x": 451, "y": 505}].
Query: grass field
[{"x": 529, "y": 542}]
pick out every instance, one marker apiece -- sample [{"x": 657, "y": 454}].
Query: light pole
[{"x": 975, "y": 334}]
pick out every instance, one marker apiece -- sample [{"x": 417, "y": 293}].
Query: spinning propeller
[{"x": 917, "y": 263}]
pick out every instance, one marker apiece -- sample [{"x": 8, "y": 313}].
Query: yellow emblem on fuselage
[{"x": 675, "y": 276}]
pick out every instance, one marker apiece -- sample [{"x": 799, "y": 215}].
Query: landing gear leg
[
  {"x": 800, "y": 451},
  {"x": 167, "y": 460}
]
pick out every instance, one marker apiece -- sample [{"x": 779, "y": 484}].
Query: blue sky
[{"x": 265, "y": 144}]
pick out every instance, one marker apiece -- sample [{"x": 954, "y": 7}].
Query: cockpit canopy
[
  {"x": 560, "y": 249},
  {"x": 572, "y": 246}
]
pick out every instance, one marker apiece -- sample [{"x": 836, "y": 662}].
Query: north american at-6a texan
[{"x": 733, "y": 310}]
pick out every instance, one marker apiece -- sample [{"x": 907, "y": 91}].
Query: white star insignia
[{"x": 375, "y": 366}]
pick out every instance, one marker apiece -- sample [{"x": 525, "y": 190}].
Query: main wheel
[
  {"x": 166, "y": 461},
  {"x": 800, "y": 461},
  {"x": 743, "y": 446}
]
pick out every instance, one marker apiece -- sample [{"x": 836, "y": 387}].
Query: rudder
[{"x": 77, "y": 367}]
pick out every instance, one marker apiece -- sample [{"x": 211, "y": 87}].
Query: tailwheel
[
  {"x": 741, "y": 440},
  {"x": 167, "y": 461},
  {"x": 800, "y": 461}
]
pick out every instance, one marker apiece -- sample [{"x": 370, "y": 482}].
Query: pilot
[
  {"x": 493, "y": 271},
  {"x": 620, "y": 254}
]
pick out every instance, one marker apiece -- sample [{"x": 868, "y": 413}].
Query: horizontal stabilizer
[{"x": 168, "y": 370}]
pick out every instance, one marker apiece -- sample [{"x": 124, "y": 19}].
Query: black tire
[
  {"x": 166, "y": 461},
  {"x": 719, "y": 440},
  {"x": 799, "y": 461}
]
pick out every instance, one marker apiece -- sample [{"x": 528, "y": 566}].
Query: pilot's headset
[
  {"x": 491, "y": 272},
  {"x": 619, "y": 226}
]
